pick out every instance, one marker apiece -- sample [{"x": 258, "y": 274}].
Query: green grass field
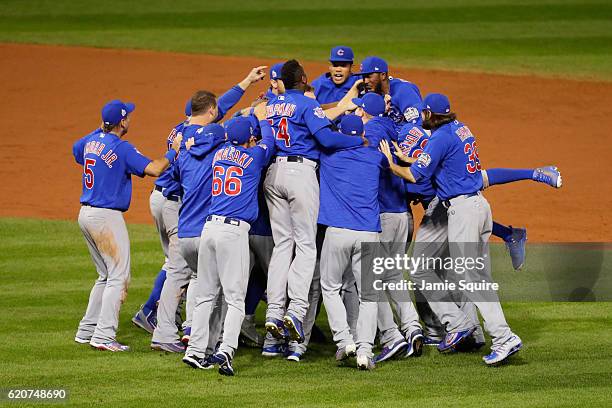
[
  {"x": 45, "y": 278},
  {"x": 562, "y": 38}
]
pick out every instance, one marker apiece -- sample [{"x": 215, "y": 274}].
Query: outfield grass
[
  {"x": 45, "y": 278},
  {"x": 568, "y": 38}
]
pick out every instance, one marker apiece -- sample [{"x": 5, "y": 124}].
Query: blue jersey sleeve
[
  {"x": 204, "y": 145},
  {"x": 266, "y": 147},
  {"x": 406, "y": 97},
  {"x": 335, "y": 140},
  {"x": 77, "y": 150},
  {"x": 228, "y": 100},
  {"x": 314, "y": 117},
  {"x": 135, "y": 162},
  {"x": 428, "y": 161}
]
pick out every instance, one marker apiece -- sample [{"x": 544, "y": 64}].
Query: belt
[
  {"x": 104, "y": 208},
  {"x": 448, "y": 202},
  {"x": 295, "y": 159},
  {"x": 225, "y": 220},
  {"x": 174, "y": 198}
]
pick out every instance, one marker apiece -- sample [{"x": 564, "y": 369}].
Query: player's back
[
  {"x": 195, "y": 174},
  {"x": 236, "y": 175},
  {"x": 460, "y": 171},
  {"x": 108, "y": 163},
  {"x": 412, "y": 140},
  {"x": 392, "y": 192},
  {"x": 294, "y": 119},
  {"x": 349, "y": 188}
]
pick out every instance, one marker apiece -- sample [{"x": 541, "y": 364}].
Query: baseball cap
[
  {"x": 239, "y": 130},
  {"x": 188, "y": 107},
  {"x": 341, "y": 54},
  {"x": 351, "y": 125},
  {"x": 372, "y": 103},
  {"x": 114, "y": 111},
  {"x": 436, "y": 103},
  {"x": 373, "y": 64},
  {"x": 275, "y": 71}
]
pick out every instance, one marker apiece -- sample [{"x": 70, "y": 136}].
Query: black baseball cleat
[
  {"x": 225, "y": 363},
  {"x": 198, "y": 362}
]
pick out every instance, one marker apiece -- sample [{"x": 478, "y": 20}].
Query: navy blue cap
[
  {"x": 341, "y": 54},
  {"x": 239, "y": 130},
  {"x": 114, "y": 111},
  {"x": 351, "y": 125},
  {"x": 373, "y": 64},
  {"x": 436, "y": 103},
  {"x": 275, "y": 71},
  {"x": 188, "y": 107},
  {"x": 372, "y": 103}
]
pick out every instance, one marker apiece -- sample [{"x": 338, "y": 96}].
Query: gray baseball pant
[
  {"x": 292, "y": 195},
  {"x": 342, "y": 248},
  {"x": 108, "y": 242},
  {"x": 396, "y": 228},
  {"x": 156, "y": 205},
  {"x": 470, "y": 221},
  {"x": 311, "y": 315},
  {"x": 223, "y": 265},
  {"x": 189, "y": 249},
  {"x": 178, "y": 274}
]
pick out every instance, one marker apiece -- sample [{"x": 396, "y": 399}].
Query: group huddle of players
[{"x": 277, "y": 204}]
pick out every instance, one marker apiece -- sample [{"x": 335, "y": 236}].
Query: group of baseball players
[{"x": 282, "y": 202}]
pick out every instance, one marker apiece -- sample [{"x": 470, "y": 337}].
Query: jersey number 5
[
  {"x": 282, "y": 133},
  {"x": 88, "y": 173},
  {"x": 473, "y": 163},
  {"x": 231, "y": 186}
]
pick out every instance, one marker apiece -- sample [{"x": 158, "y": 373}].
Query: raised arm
[
  {"x": 157, "y": 166},
  {"x": 232, "y": 96},
  {"x": 335, "y": 140}
]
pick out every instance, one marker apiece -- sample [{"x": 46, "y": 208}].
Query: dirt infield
[{"x": 53, "y": 95}]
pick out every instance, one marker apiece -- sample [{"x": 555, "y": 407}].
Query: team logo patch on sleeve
[
  {"x": 319, "y": 113},
  {"x": 411, "y": 114},
  {"x": 423, "y": 160}
]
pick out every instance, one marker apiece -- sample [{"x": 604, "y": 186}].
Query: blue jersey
[
  {"x": 326, "y": 91},
  {"x": 450, "y": 159},
  {"x": 405, "y": 96},
  {"x": 392, "y": 190},
  {"x": 236, "y": 175},
  {"x": 412, "y": 141},
  {"x": 295, "y": 118},
  {"x": 261, "y": 226},
  {"x": 171, "y": 186},
  {"x": 301, "y": 128},
  {"x": 108, "y": 164},
  {"x": 349, "y": 188},
  {"x": 194, "y": 170}
]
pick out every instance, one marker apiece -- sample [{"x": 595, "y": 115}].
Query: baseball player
[
  {"x": 194, "y": 180},
  {"x": 350, "y": 208},
  {"x": 108, "y": 164},
  {"x": 223, "y": 264},
  {"x": 331, "y": 87},
  {"x": 292, "y": 194},
  {"x": 451, "y": 159},
  {"x": 164, "y": 203},
  {"x": 396, "y": 223}
]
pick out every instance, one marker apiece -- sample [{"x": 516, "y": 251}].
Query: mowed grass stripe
[
  {"x": 275, "y": 18},
  {"x": 43, "y": 300}
]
